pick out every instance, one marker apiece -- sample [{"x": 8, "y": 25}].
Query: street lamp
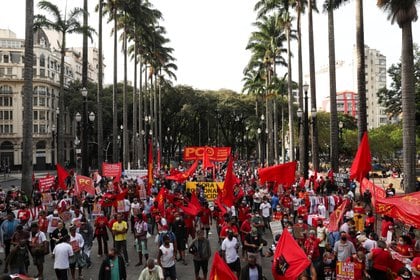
[
  {"x": 315, "y": 148},
  {"x": 340, "y": 136},
  {"x": 57, "y": 112},
  {"x": 53, "y": 128},
  {"x": 78, "y": 119},
  {"x": 259, "y": 144},
  {"x": 302, "y": 114},
  {"x": 85, "y": 154}
]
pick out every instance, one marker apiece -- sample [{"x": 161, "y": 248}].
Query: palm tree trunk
[
  {"x": 27, "y": 164},
  {"x": 126, "y": 153},
  {"x": 135, "y": 131},
  {"x": 85, "y": 124},
  {"x": 315, "y": 158},
  {"x": 333, "y": 94},
  {"x": 409, "y": 107},
  {"x": 302, "y": 147},
  {"x": 100, "y": 132},
  {"x": 61, "y": 129},
  {"x": 290, "y": 97},
  {"x": 115, "y": 156},
  {"x": 361, "y": 79},
  {"x": 141, "y": 111}
]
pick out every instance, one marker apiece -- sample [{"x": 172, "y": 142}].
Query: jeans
[{"x": 121, "y": 247}]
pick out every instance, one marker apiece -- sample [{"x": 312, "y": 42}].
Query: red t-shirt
[
  {"x": 358, "y": 210},
  {"x": 205, "y": 216},
  {"x": 303, "y": 211},
  {"x": 359, "y": 267},
  {"x": 223, "y": 232},
  {"x": 416, "y": 264},
  {"x": 385, "y": 227},
  {"x": 404, "y": 250},
  {"x": 381, "y": 259},
  {"x": 245, "y": 227}
]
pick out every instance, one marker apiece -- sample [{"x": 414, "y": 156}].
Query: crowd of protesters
[{"x": 65, "y": 225}]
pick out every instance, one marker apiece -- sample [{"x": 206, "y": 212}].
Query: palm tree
[
  {"x": 99, "y": 114},
  {"x": 334, "y": 151},
  {"x": 404, "y": 12},
  {"x": 27, "y": 165},
  {"x": 64, "y": 24}
]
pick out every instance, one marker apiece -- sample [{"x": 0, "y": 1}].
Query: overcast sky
[{"x": 209, "y": 37}]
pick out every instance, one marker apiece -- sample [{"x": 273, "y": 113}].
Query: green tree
[
  {"x": 64, "y": 24},
  {"x": 27, "y": 164},
  {"x": 404, "y": 12}
]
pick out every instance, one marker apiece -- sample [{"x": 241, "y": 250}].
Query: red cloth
[
  {"x": 150, "y": 167},
  {"x": 405, "y": 208},
  {"x": 62, "y": 175},
  {"x": 281, "y": 174},
  {"x": 311, "y": 248},
  {"x": 224, "y": 230},
  {"x": 160, "y": 198},
  {"x": 220, "y": 270},
  {"x": 362, "y": 162},
  {"x": 337, "y": 215},
  {"x": 416, "y": 264},
  {"x": 205, "y": 216},
  {"x": 384, "y": 228},
  {"x": 84, "y": 183},
  {"x": 376, "y": 191},
  {"x": 181, "y": 177},
  {"x": 381, "y": 259},
  {"x": 230, "y": 181},
  {"x": 288, "y": 251},
  {"x": 206, "y": 160}
]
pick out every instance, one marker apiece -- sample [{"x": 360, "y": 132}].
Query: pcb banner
[
  {"x": 135, "y": 173},
  {"x": 209, "y": 188},
  {"x": 46, "y": 183},
  {"x": 213, "y": 153},
  {"x": 111, "y": 169}
]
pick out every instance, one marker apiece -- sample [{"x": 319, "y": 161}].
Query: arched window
[
  {"x": 6, "y": 145},
  {"x": 41, "y": 145}
]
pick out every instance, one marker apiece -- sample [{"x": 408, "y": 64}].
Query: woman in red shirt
[{"x": 404, "y": 247}]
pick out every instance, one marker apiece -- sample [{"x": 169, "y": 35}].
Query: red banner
[
  {"x": 46, "y": 183},
  {"x": 337, "y": 215},
  {"x": 405, "y": 208},
  {"x": 111, "y": 169},
  {"x": 376, "y": 191},
  {"x": 213, "y": 153}
]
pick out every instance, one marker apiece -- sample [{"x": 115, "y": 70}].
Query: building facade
[{"x": 45, "y": 99}]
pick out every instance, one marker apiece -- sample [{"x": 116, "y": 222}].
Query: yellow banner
[{"x": 210, "y": 188}]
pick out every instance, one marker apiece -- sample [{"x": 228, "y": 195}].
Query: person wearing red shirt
[
  {"x": 359, "y": 213},
  {"x": 154, "y": 213},
  {"x": 101, "y": 234},
  {"x": 205, "y": 219},
  {"x": 277, "y": 214},
  {"x": 311, "y": 246},
  {"x": 230, "y": 226},
  {"x": 245, "y": 229},
  {"x": 170, "y": 214},
  {"x": 303, "y": 211},
  {"x": 386, "y": 223},
  {"x": 286, "y": 201},
  {"x": 381, "y": 261},
  {"x": 243, "y": 211},
  {"x": 369, "y": 223},
  {"x": 404, "y": 247},
  {"x": 359, "y": 265},
  {"x": 415, "y": 268},
  {"x": 23, "y": 212},
  {"x": 42, "y": 221},
  {"x": 189, "y": 226}
]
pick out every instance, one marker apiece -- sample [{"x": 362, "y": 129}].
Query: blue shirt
[{"x": 274, "y": 201}]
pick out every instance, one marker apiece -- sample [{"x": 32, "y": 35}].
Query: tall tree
[
  {"x": 404, "y": 12},
  {"x": 27, "y": 164},
  {"x": 99, "y": 95},
  {"x": 64, "y": 24}
]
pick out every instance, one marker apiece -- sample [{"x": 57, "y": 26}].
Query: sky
[{"x": 209, "y": 37}]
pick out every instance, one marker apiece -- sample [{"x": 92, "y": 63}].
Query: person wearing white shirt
[
  {"x": 322, "y": 210},
  {"x": 62, "y": 252},
  {"x": 265, "y": 209},
  {"x": 151, "y": 271},
  {"x": 76, "y": 242},
  {"x": 39, "y": 247},
  {"x": 370, "y": 243},
  {"x": 229, "y": 248}
]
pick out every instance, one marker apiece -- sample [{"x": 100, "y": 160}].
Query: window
[
  {"x": 42, "y": 60},
  {"x": 42, "y": 73},
  {"x": 42, "y": 101},
  {"x": 42, "y": 128},
  {"x": 9, "y": 70},
  {"x": 42, "y": 115},
  {"x": 6, "y": 101},
  {"x": 6, "y": 115},
  {"x": 6, "y": 90},
  {"x": 35, "y": 101},
  {"x": 35, "y": 115},
  {"x": 5, "y": 58},
  {"x": 1, "y": 72},
  {"x": 36, "y": 130}
]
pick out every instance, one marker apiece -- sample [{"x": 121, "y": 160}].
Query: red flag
[
  {"x": 190, "y": 209},
  {"x": 362, "y": 162},
  {"x": 181, "y": 177},
  {"x": 337, "y": 215},
  {"x": 62, "y": 175},
  {"x": 289, "y": 259},
  {"x": 150, "y": 167},
  {"x": 194, "y": 201},
  {"x": 281, "y": 174},
  {"x": 160, "y": 198},
  {"x": 229, "y": 184},
  {"x": 376, "y": 191},
  {"x": 84, "y": 183},
  {"x": 220, "y": 270},
  {"x": 219, "y": 204}
]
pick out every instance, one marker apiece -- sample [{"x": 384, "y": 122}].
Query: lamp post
[
  {"x": 259, "y": 144},
  {"x": 144, "y": 144},
  {"x": 53, "y": 128},
  {"x": 303, "y": 122},
  {"x": 315, "y": 149},
  {"x": 78, "y": 119},
  {"x": 340, "y": 137},
  {"x": 57, "y": 113}
]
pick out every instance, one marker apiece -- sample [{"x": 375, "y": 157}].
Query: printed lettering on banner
[
  {"x": 209, "y": 188},
  {"x": 345, "y": 271}
]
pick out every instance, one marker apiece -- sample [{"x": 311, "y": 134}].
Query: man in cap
[{"x": 254, "y": 244}]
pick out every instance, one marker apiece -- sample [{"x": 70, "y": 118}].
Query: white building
[{"x": 45, "y": 97}]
